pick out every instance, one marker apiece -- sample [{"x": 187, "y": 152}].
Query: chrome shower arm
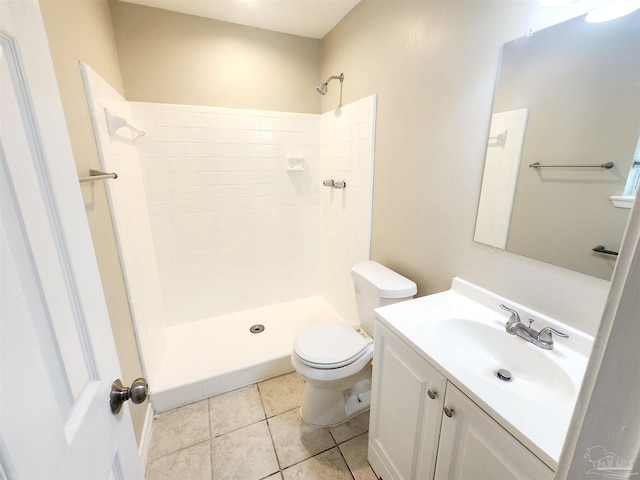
[{"x": 336, "y": 77}]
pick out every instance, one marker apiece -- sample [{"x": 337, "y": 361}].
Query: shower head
[{"x": 321, "y": 88}]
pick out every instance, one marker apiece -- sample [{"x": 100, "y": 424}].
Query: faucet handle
[
  {"x": 545, "y": 334},
  {"x": 515, "y": 317}
]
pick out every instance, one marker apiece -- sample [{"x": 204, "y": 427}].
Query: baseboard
[{"x": 145, "y": 438}]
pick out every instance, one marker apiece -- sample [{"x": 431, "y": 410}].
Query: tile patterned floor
[{"x": 256, "y": 433}]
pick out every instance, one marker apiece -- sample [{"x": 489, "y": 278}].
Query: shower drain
[{"x": 257, "y": 328}]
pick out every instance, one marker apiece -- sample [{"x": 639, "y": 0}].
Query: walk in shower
[{"x": 223, "y": 222}]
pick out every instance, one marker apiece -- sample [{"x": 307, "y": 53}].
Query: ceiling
[{"x": 307, "y": 18}]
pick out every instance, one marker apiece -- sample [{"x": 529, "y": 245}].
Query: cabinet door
[
  {"x": 405, "y": 420},
  {"x": 473, "y": 446}
]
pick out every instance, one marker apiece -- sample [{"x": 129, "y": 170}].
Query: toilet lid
[{"x": 331, "y": 344}]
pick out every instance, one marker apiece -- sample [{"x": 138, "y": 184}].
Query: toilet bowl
[{"x": 334, "y": 358}]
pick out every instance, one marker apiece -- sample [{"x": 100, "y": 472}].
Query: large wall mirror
[{"x": 566, "y": 96}]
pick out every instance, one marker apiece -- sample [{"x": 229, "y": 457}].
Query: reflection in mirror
[
  {"x": 566, "y": 96},
  {"x": 633, "y": 182}
]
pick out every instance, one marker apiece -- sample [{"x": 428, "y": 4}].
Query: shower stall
[{"x": 224, "y": 220}]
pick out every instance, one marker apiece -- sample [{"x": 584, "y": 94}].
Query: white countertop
[{"x": 538, "y": 418}]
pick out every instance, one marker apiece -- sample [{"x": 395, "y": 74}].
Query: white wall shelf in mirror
[{"x": 621, "y": 201}]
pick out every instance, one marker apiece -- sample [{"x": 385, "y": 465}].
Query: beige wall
[
  {"x": 168, "y": 57},
  {"x": 433, "y": 66},
  {"x": 82, "y": 31}
]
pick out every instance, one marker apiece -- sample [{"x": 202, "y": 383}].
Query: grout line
[
  {"x": 210, "y": 439},
  {"x": 353, "y": 438},
  {"x": 179, "y": 450},
  {"x": 264, "y": 411},
  {"x": 286, "y": 411},
  {"x": 346, "y": 463},
  {"x": 239, "y": 428},
  {"x": 275, "y": 451},
  {"x": 309, "y": 458},
  {"x": 279, "y": 471},
  {"x": 266, "y": 419},
  {"x": 333, "y": 437},
  {"x": 242, "y": 426},
  {"x": 261, "y": 399}
]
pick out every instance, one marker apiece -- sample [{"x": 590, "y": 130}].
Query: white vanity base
[{"x": 455, "y": 418}]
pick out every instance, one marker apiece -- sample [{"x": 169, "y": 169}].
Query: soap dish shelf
[{"x": 295, "y": 164}]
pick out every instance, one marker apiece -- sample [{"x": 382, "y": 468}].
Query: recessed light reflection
[
  {"x": 612, "y": 10},
  {"x": 554, "y": 3}
]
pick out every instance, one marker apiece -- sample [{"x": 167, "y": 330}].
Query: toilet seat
[{"x": 330, "y": 345}]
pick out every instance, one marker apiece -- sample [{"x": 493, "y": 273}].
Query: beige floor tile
[
  {"x": 295, "y": 440},
  {"x": 180, "y": 428},
  {"x": 328, "y": 465},
  {"x": 282, "y": 393},
  {"x": 355, "y": 453},
  {"x": 234, "y": 410},
  {"x": 193, "y": 462},
  {"x": 244, "y": 454},
  {"x": 275, "y": 476},
  {"x": 354, "y": 427}
]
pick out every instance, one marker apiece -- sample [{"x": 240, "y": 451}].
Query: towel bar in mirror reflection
[
  {"x": 607, "y": 165},
  {"x": 602, "y": 249}
]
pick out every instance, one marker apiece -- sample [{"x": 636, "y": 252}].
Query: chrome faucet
[{"x": 542, "y": 339}]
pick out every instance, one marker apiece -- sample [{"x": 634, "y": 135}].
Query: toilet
[{"x": 334, "y": 358}]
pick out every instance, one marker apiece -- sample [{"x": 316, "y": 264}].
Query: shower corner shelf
[{"x": 295, "y": 164}]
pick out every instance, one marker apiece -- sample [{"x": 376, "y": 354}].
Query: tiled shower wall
[
  {"x": 118, "y": 153},
  {"x": 209, "y": 219},
  {"x": 347, "y": 138},
  {"x": 234, "y": 227}
]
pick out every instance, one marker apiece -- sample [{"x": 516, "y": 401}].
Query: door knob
[{"x": 120, "y": 394}]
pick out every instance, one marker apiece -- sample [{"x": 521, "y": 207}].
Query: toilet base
[{"x": 330, "y": 405}]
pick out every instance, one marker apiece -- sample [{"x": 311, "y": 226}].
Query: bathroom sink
[
  {"x": 485, "y": 348},
  {"x": 461, "y": 332}
]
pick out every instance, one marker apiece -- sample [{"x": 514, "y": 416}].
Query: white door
[{"x": 57, "y": 354}]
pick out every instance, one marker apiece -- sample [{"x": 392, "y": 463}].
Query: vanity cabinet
[
  {"x": 422, "y": 427},
  {"x": 473, "y": 445},
  {"x": 406, "y": 410}
]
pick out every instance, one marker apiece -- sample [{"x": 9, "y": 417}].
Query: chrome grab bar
[{"x": 97, "y": 175}]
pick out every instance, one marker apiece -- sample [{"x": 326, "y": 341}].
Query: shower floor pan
[{"x": 212, "y": 356}]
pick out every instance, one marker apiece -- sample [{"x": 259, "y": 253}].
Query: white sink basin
[
  {"x": 461, "y": 332},
  {"x": 483, "y": 348}
]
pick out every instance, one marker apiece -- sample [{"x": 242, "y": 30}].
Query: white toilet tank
[{"x": 377, "y": 286}]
